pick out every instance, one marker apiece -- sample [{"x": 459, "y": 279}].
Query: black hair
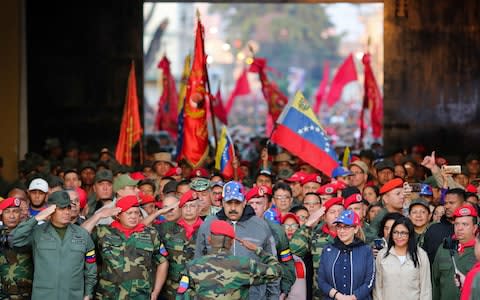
[
  {"x": 184, "y": 182},
  {"x": 390, "y": 216},
  {"x": 433, "y": 211},
  {"x": 312, "y": 193},
  {"x": 370, "y": 206},
  {"x": 456, "y": 191},
  {"x": 281, "y": 186},
  {"x": 297, "y": 208},
  {"x": 148, "y": 181},
  {"x": 412, "y": 242}
]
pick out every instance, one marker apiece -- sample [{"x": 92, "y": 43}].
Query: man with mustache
[{"x": 248, "y": 227}]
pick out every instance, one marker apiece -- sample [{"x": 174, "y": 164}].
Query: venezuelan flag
[
  {"x": 184, "y": 284},
  {"x": 90, "y": 257},
  {"x": 163, "y": 250},
  {"x": 299, "y": 131},
  {"x": 225, "y": 154},
  {"x": 286, "y": 255}
]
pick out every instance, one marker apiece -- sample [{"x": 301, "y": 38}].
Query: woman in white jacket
[{"x": 403, "y": 269}]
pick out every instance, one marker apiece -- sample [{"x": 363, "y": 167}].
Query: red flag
[
  {"x": 372, "y": 99},
  {"x": 346, "y": 73},
  {"x": 218, "y": 109},
  {"x": 275, "y": 98},
  {"x": 195, "y": 133},
  {"x": 131, "y": 128},
  {"x": 241, "y": 88},
  {"x": 322, "y": 88},
  {"x": 167, "y": 113}
]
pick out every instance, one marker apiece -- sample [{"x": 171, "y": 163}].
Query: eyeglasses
[
  {"x": 290, "y": 226},
  {"x": 302, "y": 217},
  {"x": 343, "y": 227},
  {"x": 400, "y": 233},
  {"x": 282, "y": 197},
  {"x": 311, "y": 203}
]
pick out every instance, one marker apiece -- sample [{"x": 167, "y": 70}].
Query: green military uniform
[
  {"x": 443, "y": 272},
  {"x": 180, "y": 250},
  {"x": 371, "y": 232},
  {"x": 219, "y": 275},
  {"x": 310, "y": 240},
  {"x": 284, "y": 257},
  {"x": 16, "y": 271},
  {"x": 475, "y": 291},
  {"x": 127, "y": 264},
  {"x": 64, "y": 268}
]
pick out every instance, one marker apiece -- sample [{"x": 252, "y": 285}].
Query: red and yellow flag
[
  {"x": 372, "y": 100},
  {"x": 131, "y": 128},
  {"x": 195, "y": 133}
]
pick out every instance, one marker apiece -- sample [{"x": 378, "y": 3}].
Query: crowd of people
[{"x": 395, "y": 226}]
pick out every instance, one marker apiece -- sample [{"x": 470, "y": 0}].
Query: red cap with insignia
[
  {"x": 391, "y": 185},
  {"x": 174, "y": 171},
  {"x": 190, "y": 195},
  {"x": 465, "y": 211},
  {"x": 9, "y": 202},
  {"x": 297, "y": 177},
  {"x": 352, "y": 199},
  {"x": 332, "y": 202},
  {"x": 127, "y": 202},
  {"x": 328, "y": 189},
  {"x": 258, "y": 191},
  {"x": 220, "y": 227},
  {"x": 200, "y": 172},
  {"x": 312, "y": 178}
]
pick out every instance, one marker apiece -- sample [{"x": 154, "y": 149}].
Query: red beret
[
  {"x": 190, "y": 195},
  {"x": 332, "y": 202},
  {"x": 200, "y": 172},
  {"x": 159, "y": 204},
  {"x": 312, "y": 178},
  {"x": 127, "y": 202},
  {"x": 258, "y": 191},
  {"x": 291, "y": 216},
  {"x": 328, "y": 189},
  {"x": 222, "y": 228},
  {"x": 145, "y": 199},
  {"x": 9, "y": 202},
  {"x": 465, "y": 211},
  {"x": 82, "y": 197},
  {"x": 175, "y": 171},
  {"x": 390, "y": 185},
  {"x": 137, "y": 176},
  {"x": 296, "y": 177},
  {"x": 352, "y": 199}
]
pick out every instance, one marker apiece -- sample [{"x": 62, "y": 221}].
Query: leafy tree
[{"x": 288, "y": 34}]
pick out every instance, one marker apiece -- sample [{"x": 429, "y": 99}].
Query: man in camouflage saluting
[
  {"x": 132, "y": 265},
  {"x": 179, "y": 240},
  {"x": 16, "y": 264},
  {"x": 220, "y": 275}
]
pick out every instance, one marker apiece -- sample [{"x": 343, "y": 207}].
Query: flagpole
[{"x": 214, "y": 127}]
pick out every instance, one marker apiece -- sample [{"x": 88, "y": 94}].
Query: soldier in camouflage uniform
[
  {"x": 219, "y": 275},
  {"x": 131, "y": 256},
  {"x": 257, "y": 198},
  {"x": 179, "y": 242},
  {"x": 314, "y": 240},
  {"x": 16, "y": 264}
]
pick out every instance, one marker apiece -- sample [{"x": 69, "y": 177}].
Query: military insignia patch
[
  {"x": 90, "y": 257},
  {"x": 184, "y": 284}
]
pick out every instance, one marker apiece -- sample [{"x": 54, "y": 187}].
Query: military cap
[
  {"x": 311, "y": 178},
  {"x": 328, "y": 189},
  {"x": 465, "y": 211},
  {"x": 9, "y": 202},
  {"x": 290, "y": 215},
  {"x": 391, "y": 185},
  {"x": 82, "y": 197},
  {"x": 61, "y": 199},
  {"x": 200, "y": 184},
  {"x": 297, "y": 177},
  {"x": 419, "y": 201},
  {"x": 200, "y": 172},
  {"x": 87, "y": 165},
  {"x": 54, "y": 181},
  {"x": 103, "y": 175},
  {"x": 122, "y": 181},
  {"x": 363, "y": 166},
  {"x": 174, "y": 171},
  {"x": 220, "y": 227},
  {"x": 431, "y": 181},
  {"x": 384, "y": 164},
  {"x": 127, "y": 202}
]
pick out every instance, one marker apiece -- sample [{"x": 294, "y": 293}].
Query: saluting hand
[
  {"x": 315, "y": 217},
  {"x": 44, "y": 214},
  {"x": 247, "y": 244},
  {"x": 166, "y": 209},
  {"x": 108, "y": 212}
]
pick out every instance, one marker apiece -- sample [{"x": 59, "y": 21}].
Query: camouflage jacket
[
  {"x": 16, "y": 270},
  {"x": 127, "y": 265},
  {"x": 219, "y": 275},
  {"x": 311, "y": 240},
  {"x": 284, "y": 257},
  {"x": 179, "y": 250}
]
